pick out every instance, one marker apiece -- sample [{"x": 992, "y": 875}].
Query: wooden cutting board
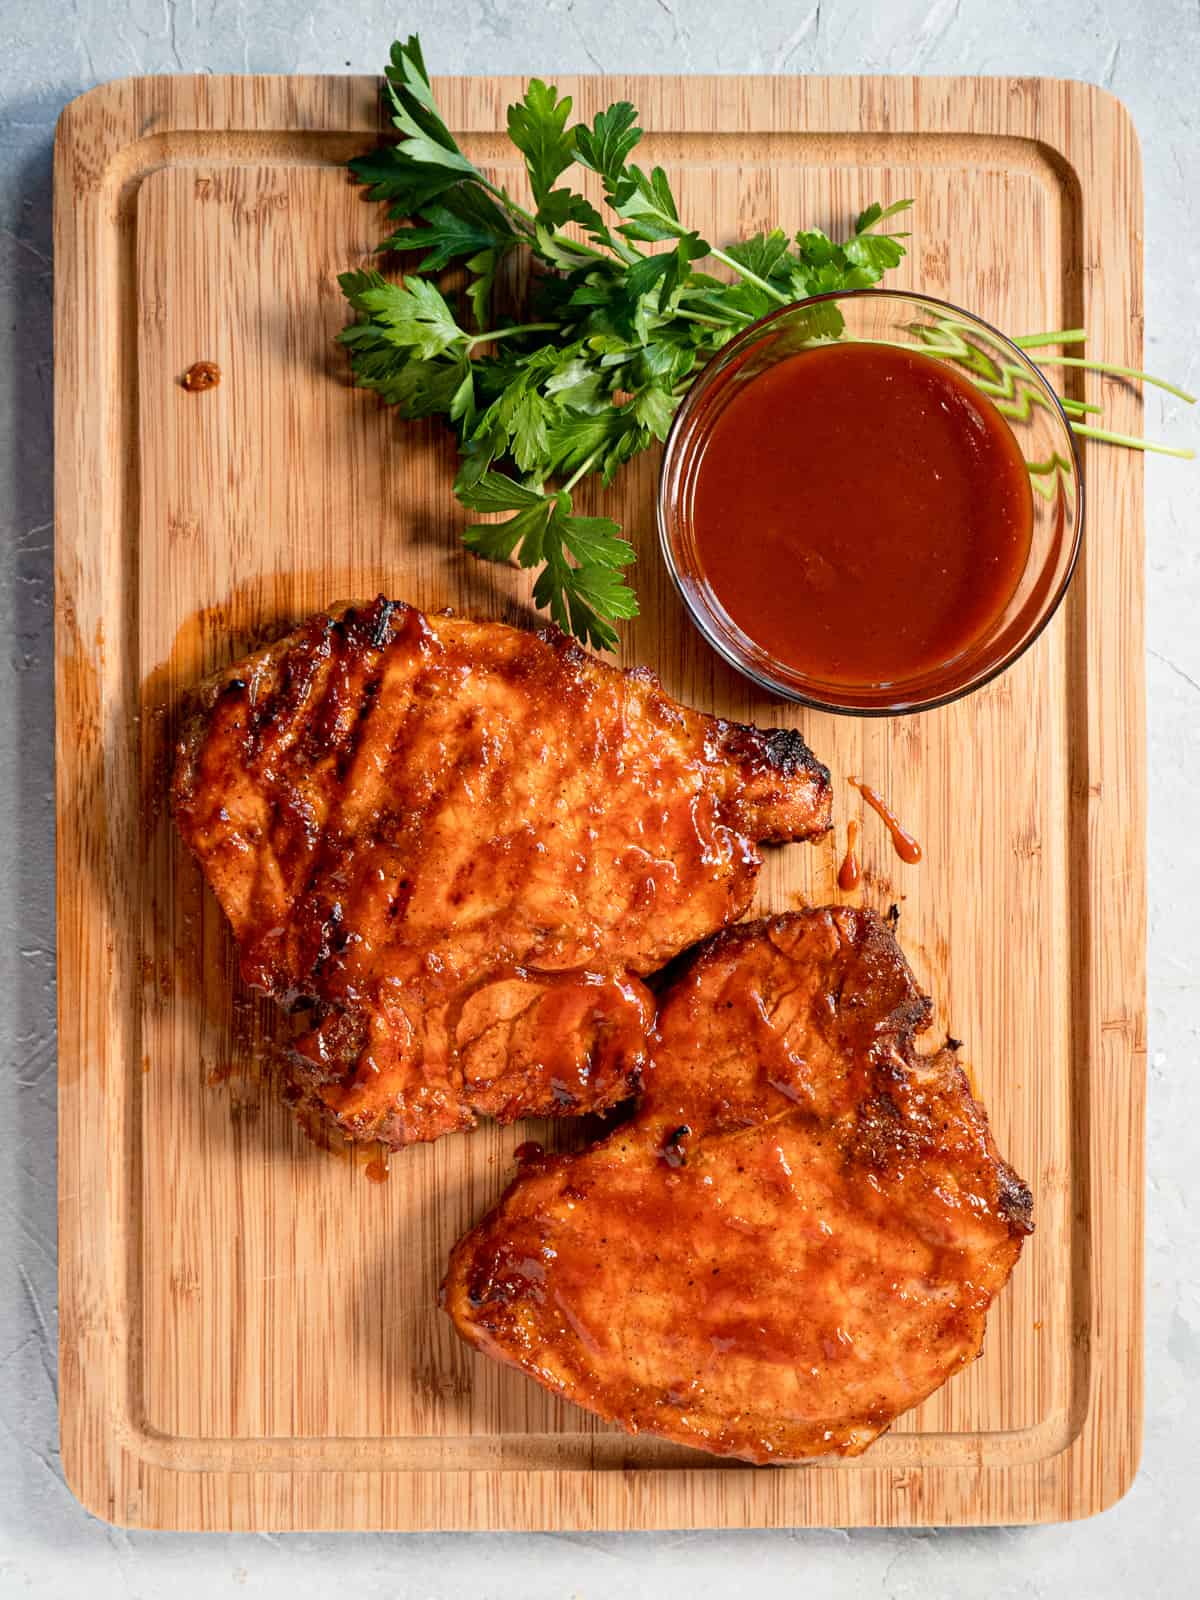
[{"x": 250, "y": 1336}]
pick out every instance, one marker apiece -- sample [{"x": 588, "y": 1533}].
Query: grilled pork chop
[
  {"x": 797, "y": 1237},
  {"x": 468, "y": 845}
]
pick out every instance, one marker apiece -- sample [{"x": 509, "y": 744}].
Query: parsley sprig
[
  {"x": 613, "y": 333},
  {"x": 613, "y": 336}
]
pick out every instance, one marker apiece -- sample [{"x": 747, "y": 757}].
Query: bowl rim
[{"x": 748, "y": 336}]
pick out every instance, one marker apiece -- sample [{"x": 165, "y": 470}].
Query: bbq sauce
[
  {"x": 863, "y": 513},
  {"x": 201, "y": 375},
  {"x": 905, "y": 846},
  {"x": 849, "y": 872}
]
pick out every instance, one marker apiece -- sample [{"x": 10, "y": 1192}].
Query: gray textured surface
[{"x": 1150, "y": 56}]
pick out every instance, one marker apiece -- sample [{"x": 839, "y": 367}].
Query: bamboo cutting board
[{"x": 250, "y": 1337}]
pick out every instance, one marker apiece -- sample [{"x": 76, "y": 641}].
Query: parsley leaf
[
  {"x": 648, "y": 204},
  {"x": 581, "y": 558},
  {"x": 538, "y": 128},
  {"x": 415, "y": 112},
  {"x": 465, "y": 221},
  {"x": 763, "y": 254},
  {"x": 482, "y": 270},
  {"x": 395, "y": 177},
  {"x": 413, "y": 315},
  {"x": 867, "y": 219},
  {"x": 606, "y": 146}
]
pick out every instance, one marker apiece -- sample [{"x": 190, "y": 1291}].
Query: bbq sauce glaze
[{"x": 862, "y": 513}]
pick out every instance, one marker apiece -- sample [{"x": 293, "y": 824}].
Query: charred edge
[
  {"x": 674, "y": 1152},
  {"x": 381, "y": 621},
  {"x": 782, "y": 750},
  {"x": 271, "y": 667},
  {"x": 1014, "y": 1200},
  {"x": 910, "y": 1018},
  {"x": 788, "y": 754},
  {"x": 479, "y": 1289}
]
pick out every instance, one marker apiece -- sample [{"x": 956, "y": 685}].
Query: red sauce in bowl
[{"x": 863, "y": 513}]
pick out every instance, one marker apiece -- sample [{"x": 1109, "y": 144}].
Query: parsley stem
[
  {"x": 729, "y": 317},
  {"x": 627, "y": 253},
  {"x": 531, "y": 224},
  {"x": 751, "y": 277},
  {"x": 510, "y": 333},
  {"x": 1036, "y": 341},
  {"x": 1018, "y": 375},
  {"x": 1087, "y": 432},
  {"x": 1119, "y": 372},
  {"x": 580, "y": 471},
  {"x": 590, "y": 250},
  {"x": 510, "y": 204},
  {"x": 694, "y": 316}
]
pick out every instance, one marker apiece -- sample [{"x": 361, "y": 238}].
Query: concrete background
[{"x": 1149, "y": 54}]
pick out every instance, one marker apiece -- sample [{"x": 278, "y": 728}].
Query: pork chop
[
  {"x": 795, "y": 1239},
  {"x": 467, "y": 845}
]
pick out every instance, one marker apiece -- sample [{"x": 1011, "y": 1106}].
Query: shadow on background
[{"x": 32, "y": 1489}]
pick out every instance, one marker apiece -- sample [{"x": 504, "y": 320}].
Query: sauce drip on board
[
  {"x": 862, "y": 513},
  {"x": 850, "y": 872},
  {"x": 905, "y": 846},
  {"x": 376, "y": 1170},
  {"x": 201, "y": 375}
]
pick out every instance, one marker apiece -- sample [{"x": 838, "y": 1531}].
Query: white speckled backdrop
[{"x": 1149, "y": 54}]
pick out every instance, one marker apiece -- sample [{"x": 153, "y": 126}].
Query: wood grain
[{"x": 249, "y": 1333}]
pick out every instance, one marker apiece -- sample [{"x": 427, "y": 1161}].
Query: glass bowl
[{"x": 975, "y": 350}]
